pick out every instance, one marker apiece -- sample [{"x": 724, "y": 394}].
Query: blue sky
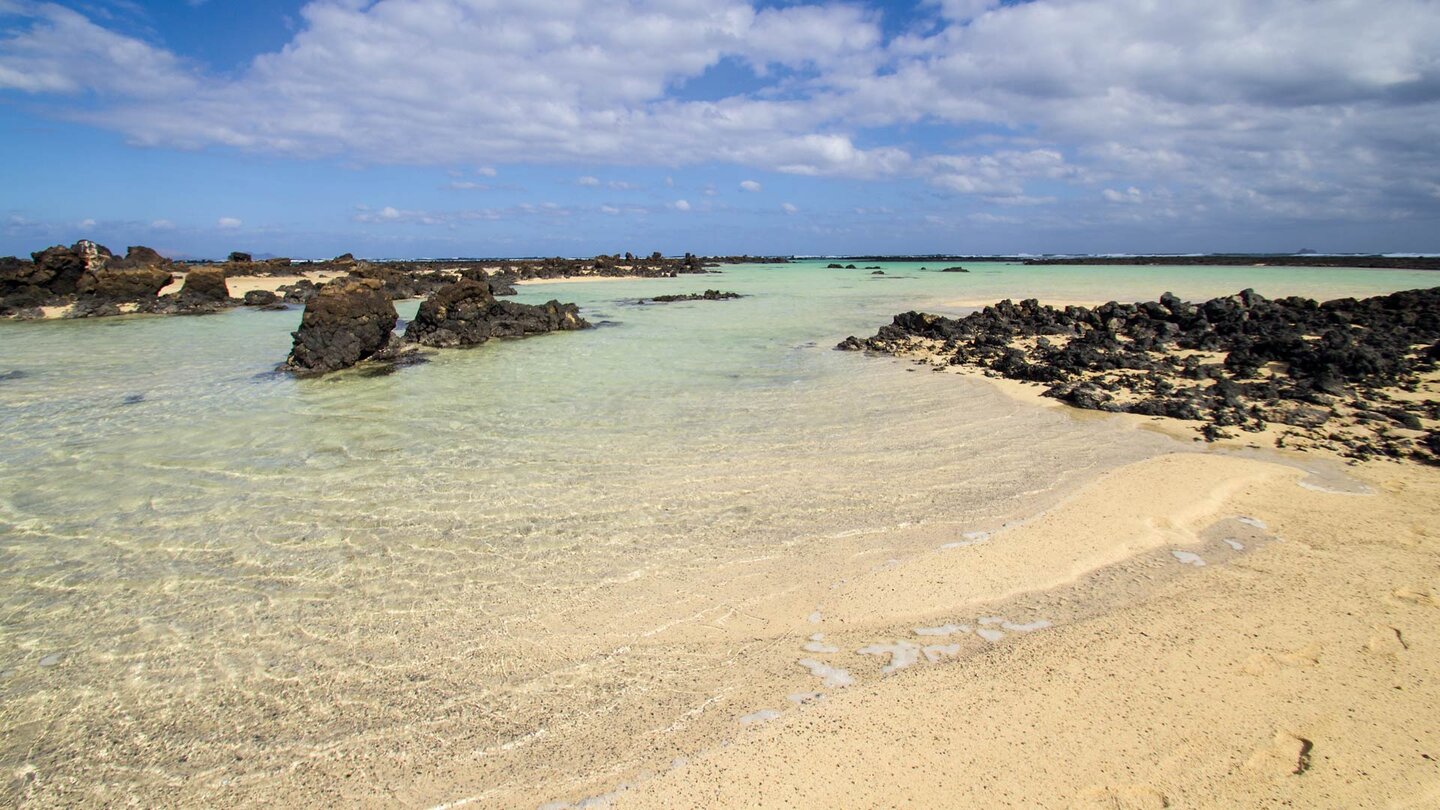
[{"x": 572, "y": 127}]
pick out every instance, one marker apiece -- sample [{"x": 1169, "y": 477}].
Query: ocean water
[{"x": 511, "y": 574}]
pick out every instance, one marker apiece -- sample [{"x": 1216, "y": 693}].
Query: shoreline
[
  {"x": 874, "y": 678},
  {"x": 1125, "y": 704}
]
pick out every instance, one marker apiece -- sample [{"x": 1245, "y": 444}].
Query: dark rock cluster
[
  {"x": 348, "y": 320},
  {"x": 353, "y": 319},
  {"x": 1347, "y": 375},
  {"x": 467, "y": 314},
  {"x": 708, "y": 295},
  {"x": 85, "y": 276}
]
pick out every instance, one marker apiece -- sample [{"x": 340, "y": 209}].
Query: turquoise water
[{"x": 219, "y": 583}]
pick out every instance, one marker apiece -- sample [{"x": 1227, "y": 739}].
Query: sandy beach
[
  {"x": 239, "y": 285},
  {"x": 1297, "y": 670}
]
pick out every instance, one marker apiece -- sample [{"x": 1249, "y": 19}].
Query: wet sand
[{"x": 1295, "y": 669}]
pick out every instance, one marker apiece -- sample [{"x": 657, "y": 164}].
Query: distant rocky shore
[
  {"x": 87, "y": 280},
  {"x": 1253, "y": 260},
  {"x": 349, "y": 314},
  {"x": 1358, "y": 377}
]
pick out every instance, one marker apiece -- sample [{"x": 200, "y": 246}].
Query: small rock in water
[{"x": 133, "y": 399}]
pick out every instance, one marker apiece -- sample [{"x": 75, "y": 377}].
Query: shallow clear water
[{"x": 220, "y": 584}]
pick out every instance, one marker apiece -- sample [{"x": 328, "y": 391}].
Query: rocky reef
[
  {"x": 1358, "y": 377},
  {"x": 86, "y": 280},
  {"x": 708, "y": 295},
  {"x": 350, "y": 320},
  {"x": 466, "y": 313}
]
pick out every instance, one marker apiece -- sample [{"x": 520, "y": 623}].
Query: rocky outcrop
[
  {"x": 138, "y": 256},
  {"x": 205, "y": 285},
  {"x": 956, "y": 269},
  {"x": 204, "y": 291},
  {"x": 466, "y": 314},
  {"x": 123, "y": 284},
  {"x": 261, "y": 298},
  {"x": 708, "y": 295},
  {"x": 238, "y": 257},
  {"x": 300, "y": 292},
  {"x": 58, "y": 269},
  {"x": 347, "y": 321},
  {"x": 1353, "y": 376}
]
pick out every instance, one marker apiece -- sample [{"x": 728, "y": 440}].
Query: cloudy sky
[{"x": 571, "y": 127}]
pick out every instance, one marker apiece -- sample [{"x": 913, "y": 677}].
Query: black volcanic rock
[
  {"x": 260, "y": 298},
  {"x": 708, "y": 295},
  {"x": 57, "y": 269},
  {"x": 205, "y": 284},
  {"x": 466, "y": 314},
  {"x": 349, "y": 320},
  {"x": 956, "y": 269},
  {"x": 237, "y": 257},
  {"x": 139, "y": 256},
  {"x": 300, "y": 292},
  {"x": 1238, "y": 361},
  {"x": 125, "y": 284},
  {"x": 204, "y": 291}
]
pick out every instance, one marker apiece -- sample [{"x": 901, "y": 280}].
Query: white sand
[{"x": 1315, "y": 653}]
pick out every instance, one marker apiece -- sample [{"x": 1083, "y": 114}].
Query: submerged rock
[
  {"x": 708, "y": 295},
  {"x": 347, "y": 321},
  {"x": 466, "y": 314}
]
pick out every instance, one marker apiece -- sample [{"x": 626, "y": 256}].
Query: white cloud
[
  {"x": 789, "y": 208},
  {"x": 162, "y": 225},
  {"x": 680, "y": 205},
  {"x": 750, "y": 185},
  {"x": 228, "y": 223},
  {"x": 87, "y": 223},
  {"x": 588, "y": 181},
  {"x": 609, "y": 209},
  {"x": 1129, "y": 195},
  {"x": 1328, "y": 108}
]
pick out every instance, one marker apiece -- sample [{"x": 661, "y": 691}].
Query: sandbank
[{"x": 239, "y": 285}]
